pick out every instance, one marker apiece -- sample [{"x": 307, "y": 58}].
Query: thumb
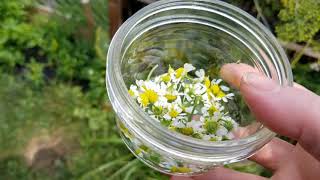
[{"x": 289, "y": 111}]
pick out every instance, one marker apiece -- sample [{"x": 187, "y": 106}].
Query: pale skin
[{"x": 289, "y": 111}]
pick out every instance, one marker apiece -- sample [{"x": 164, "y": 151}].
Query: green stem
[
  {"x": 180, "y": 85},
  {"x": 298, "y": 56},
  {"x": 124, "y": 168},
  {"x": 189, "y": 78},
  {"x": 194, "y": 108},
  {"x": 150, "y": 73},
  {"x": 106, "y": 166}
]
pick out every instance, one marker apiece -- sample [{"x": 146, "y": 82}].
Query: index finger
[
  {"x": 288, "y": 111},
  {"x": 232, "y": 73}
]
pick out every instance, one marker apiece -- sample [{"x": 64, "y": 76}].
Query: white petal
[
  {"x": 188, "y": 67},
  {"x": 178, "y": 100},
  {"x": 222, "y": 131},
  {"x": 178, "y": 124},
  {"x": 225, "y": 88},
  {"x": 166, "y": 116},
  {"x": 200, "y": 73},
  {"x": 188, "y": 97},
  {"x": 204, "y": 110},
  {"x": 230, "y": 95},
  {"x": 216, "y": 81},
  {"x": 133, "y": 87},
  {"x": 139, "y": 83},
  {"x": 205, "y": 97},
  {"x": 189, "y": 109}
]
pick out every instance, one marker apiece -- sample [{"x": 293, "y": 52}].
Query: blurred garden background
[{"x": 55, "y": 118}]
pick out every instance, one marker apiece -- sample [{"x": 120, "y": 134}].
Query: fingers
[
  {"x": 271, "y": 155},
  {"x": 289, "y": 111},
  {"x": 227, "y": 174},
  {"x": 233, "y": 73},
  {"x": 221, "y": 174},
  {"x": 180, "y": 178}
]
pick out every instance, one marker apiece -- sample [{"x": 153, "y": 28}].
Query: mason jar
[{"x": 206, "y": 34}]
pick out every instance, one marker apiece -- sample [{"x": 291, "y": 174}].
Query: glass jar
[{"x": 207, "y": 34}]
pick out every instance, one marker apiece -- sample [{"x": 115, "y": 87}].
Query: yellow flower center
[
  {"x": 173, "y": 113},
  {"x": 131, "y": 93},
  {"x": 221, "y": 94},
  {"x": 207, "y": 82},
  {"x": 144, "y": 99},
  {"x": 209, "y": 94},
  {"x": 166, "y": 78},
  {"x": 152, "y": 95},
  {"x": 171, "y": 97},
  {"x": 215, "y": 89},
  {"x": 179, "y": 72}
]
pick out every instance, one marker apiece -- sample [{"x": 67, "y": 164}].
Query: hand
[{"x": 289, "y": 111}]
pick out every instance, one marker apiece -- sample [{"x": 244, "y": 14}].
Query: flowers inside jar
[{"x": 193, "y": 105}]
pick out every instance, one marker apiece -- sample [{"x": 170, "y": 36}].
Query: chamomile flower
[
  {"x": 219, "y": 92},
  {"x": 173, "y": 166},
  {"x": 181, "y": 72},
  {"x": 168, "y": 163},
  {"x": 212, "y": 109},
  {"x": 189, "y": 105},
  {"x": 174, "y": 112},
  {"x": 147, "y": 97}
]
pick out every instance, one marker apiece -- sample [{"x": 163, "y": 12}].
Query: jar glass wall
[{"x": 206, "y": 34}]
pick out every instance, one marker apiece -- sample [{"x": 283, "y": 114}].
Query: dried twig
[
  {"x": 89, "y": 18},
  {"x": 299, "y": 55},
  {"x": 307, "y": 51},
  {"x": 260, "y": 14}
]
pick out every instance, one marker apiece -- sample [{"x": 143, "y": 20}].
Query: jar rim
[{"x": 121, "y": 100}]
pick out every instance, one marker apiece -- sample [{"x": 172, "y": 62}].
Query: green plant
[
  {"x": 52, "y": 85},
  {"x": 299, "y": 20},
  {"x": 83, "y": 136}
]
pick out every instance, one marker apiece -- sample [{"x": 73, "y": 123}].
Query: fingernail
[
  {"x": 259, "y": 82},
  {"x": 228, "y": 74}
]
